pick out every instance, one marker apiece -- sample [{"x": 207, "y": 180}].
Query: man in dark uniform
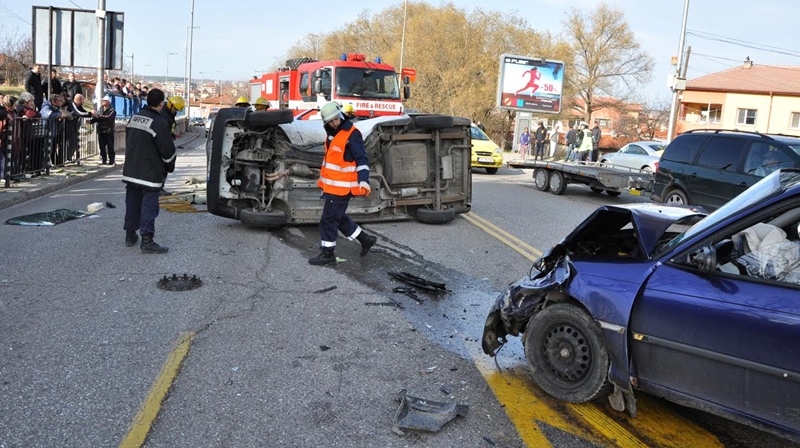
[
  {"x": 344, "y": 174},
  {"x": 105, "y": 118},
  {"x": 33, "y": 85},
  {"x": 149, "y": 156}
]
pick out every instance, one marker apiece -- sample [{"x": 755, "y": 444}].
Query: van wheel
[
  {"x": 491, "y": 170},
  {"x": 676, "y": 196},
  {"x": 426, "y": 216},
  {"x": 596, "y": 190},
  {"x": 265, "y": 220},
  {"x": 613, "y": 193},
  {"x": 433, "y": 121}
]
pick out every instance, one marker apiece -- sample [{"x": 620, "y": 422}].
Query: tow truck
[{"x": 371, "y": 87}]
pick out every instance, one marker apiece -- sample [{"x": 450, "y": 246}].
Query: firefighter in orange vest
[{"x": 344, "y": 174}]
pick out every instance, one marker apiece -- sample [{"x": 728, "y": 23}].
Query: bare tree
[
  {"x": 654, "y": 119},
  {"x": 17, "y": 52},
  {"x": 608, "y": 60}
]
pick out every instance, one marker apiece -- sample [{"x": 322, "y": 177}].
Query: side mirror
[
  {"x": 317, "y": 88},
  {"x": 317, "y": 74},
  {"x": 705, "y": 259},
  {"x": 406, "y": 92},
  {"x": 406, "y": 80}
]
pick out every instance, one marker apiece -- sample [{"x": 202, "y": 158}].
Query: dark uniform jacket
[
  {"x": 105, "y": 119},
  {"x": 57, "y": 89},
  {"x": 149, "y": 151},
  {"x": 169, "y": 118},
  {"x": 72, "y": 88}
]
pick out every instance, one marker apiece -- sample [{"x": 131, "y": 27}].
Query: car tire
[
  {"x": 558, "y": 183},
  {"x": 676, "y": 196},
  {"x": 433, "y": 121},
  {"x": 264, "y": 220},
  {"x": 566, "y": 354},
  {"x": 427, "y": 216},
  {"x": 596, "y": 190},
  {"x": 491, "y": 170},
  {"x": 262, "y": 119},
  {"x": 541, "y": 179},
  {"x": 613, "y": 193},
  {"x": 647, "y": 169}
]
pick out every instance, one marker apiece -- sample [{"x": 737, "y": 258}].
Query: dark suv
[{"x": 709, "y": 167}]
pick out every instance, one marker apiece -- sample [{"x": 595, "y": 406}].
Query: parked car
[
  {"x": 197, "y": 121},
  {"x": 263, "y": 168},
  {"x": 485, "y": 153},
  {"x": 708, "y": 168},
  {"x": 642, "y": 155},
  {"x": 646, "y": 297}
]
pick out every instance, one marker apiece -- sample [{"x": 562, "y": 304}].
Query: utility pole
[
  {"x": 403, "y": 39},
  {"x": 101, "y": 31},
  {"x": 673, "y": 111},
  {"x": 167, "y": 75},
  {"x": 189, "y": 76}
]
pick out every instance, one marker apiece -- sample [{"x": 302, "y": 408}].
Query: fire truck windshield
[{"x": 366, "y": 83}]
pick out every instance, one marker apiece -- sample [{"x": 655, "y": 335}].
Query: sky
[{"x": 239, "y": 38}]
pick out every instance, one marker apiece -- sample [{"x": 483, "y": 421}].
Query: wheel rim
[
  {"x": 675, "y": 199},
  {"x": 555, "y": 182},
  {"x": 567, "y": 354},
  {"x": 541, "y": 178}
]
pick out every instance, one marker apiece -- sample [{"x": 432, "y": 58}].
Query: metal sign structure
[
  {"x": 72, "y": 35},
  {"x": 529, "y": 84}
]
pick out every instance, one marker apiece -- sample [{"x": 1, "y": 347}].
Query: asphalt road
[{"x": 272, "y": 356}]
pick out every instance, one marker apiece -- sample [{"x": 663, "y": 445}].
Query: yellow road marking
[
  {"x": 152, "y": 404},
  {"x": 526, "y": 405},
  {"x": 506, "y": 238}
]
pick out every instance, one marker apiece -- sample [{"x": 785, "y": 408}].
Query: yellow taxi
[{"x": 485, "y": 153}]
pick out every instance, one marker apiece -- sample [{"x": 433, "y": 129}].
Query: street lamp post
[
  {"x": 219, "y": 87},
  {"x": 167, "y": 75},
  {"x": 186, "y": 64}
]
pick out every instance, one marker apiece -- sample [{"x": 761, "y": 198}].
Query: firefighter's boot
[
  {"x": 325, "y": 257},
  {"x": 151, "y": 247},
  {"x": 367, "y": 241},
  {"x": 131, "y": 238}
]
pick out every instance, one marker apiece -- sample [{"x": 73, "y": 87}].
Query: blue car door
[{"x": 726, "y": 339}]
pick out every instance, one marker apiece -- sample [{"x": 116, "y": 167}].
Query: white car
[
  {"x": 642, "y": 155},
  {"x": 209, "y": 119}
]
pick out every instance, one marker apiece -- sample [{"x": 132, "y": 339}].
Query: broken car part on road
[{"x": 425, "y": 415}]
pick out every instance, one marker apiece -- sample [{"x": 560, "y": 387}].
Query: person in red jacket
[{"x": 344, "y": 174}]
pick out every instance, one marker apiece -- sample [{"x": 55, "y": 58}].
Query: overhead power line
[
  {"x": 14, "y": 14},
  {"x": 742, "y": 43}
]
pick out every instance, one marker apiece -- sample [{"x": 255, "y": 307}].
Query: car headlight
[{"x": 498, "y": 150}]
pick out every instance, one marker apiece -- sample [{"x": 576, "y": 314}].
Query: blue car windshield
[{"x": 766, "y": 187}]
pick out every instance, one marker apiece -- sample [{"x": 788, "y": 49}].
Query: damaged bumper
[{"x": 521, "y": 300}]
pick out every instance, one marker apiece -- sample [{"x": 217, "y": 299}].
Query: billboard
[
  {"x": 74, "y": 37},
  {"x": 528, "y": 84}
]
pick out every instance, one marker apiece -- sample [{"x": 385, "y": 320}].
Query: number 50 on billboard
[{"x": 529, "y": 84}]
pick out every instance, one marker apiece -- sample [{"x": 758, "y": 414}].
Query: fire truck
[{"x": 372, "y": 88}]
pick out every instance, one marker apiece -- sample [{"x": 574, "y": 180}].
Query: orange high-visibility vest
[{"x": 338, "y": 176}]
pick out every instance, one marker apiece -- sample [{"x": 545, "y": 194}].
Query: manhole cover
[{"x": 180, "y": 283}]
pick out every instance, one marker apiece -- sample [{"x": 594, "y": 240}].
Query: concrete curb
[{"x": 11, "y": 200}]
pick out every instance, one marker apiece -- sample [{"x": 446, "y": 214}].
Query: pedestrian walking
[
  {"x": 33, "y": 85},
  {"x": 105, "y": 119},
  {"x": 596, "y": 134},
  {"x": 344, "y": 174},
  {"x": 149, "y": 157},
  {"x": 554, "y": 133},
  {"x": 524, "y": 143},
  {"x": 540, "y": 136}
]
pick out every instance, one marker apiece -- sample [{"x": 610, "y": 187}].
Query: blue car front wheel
[{"x": 566, "y": 353}]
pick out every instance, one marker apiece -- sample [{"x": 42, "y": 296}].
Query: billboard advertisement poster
[{"x": 529, "y": 84}]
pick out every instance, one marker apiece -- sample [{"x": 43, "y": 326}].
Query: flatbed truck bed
[{"x": 555, "y": 176}]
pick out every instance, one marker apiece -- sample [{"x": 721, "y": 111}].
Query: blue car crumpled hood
[
  {"x": 650, "y": 221},
  {"x": 514, "y": 307}
]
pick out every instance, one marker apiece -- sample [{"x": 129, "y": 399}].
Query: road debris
[
  {"x": 425, "y": 415},
  {"x": 328, "y": 289},
  {"x": 47, "y": 218},
  {"x": 419, "y": 282},
  {"x": 409, "y": 291},
  {"x": 177, "y": 283},
  {"x": 110, "y": 205}
]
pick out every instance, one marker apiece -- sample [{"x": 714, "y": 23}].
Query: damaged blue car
[{"x": 701, "y": 310}]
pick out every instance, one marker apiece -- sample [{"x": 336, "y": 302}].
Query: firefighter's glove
[{"x": 364, "y": 186}]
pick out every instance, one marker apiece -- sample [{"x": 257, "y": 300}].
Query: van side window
[
  {"x": 722, "y": 153},
  {"x": 685, "y": 148}
]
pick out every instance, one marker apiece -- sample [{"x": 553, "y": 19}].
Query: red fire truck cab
[{"x": 372, "y": 88}]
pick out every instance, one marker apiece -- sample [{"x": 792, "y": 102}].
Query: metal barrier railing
[{"x": 32, "y": 146}]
